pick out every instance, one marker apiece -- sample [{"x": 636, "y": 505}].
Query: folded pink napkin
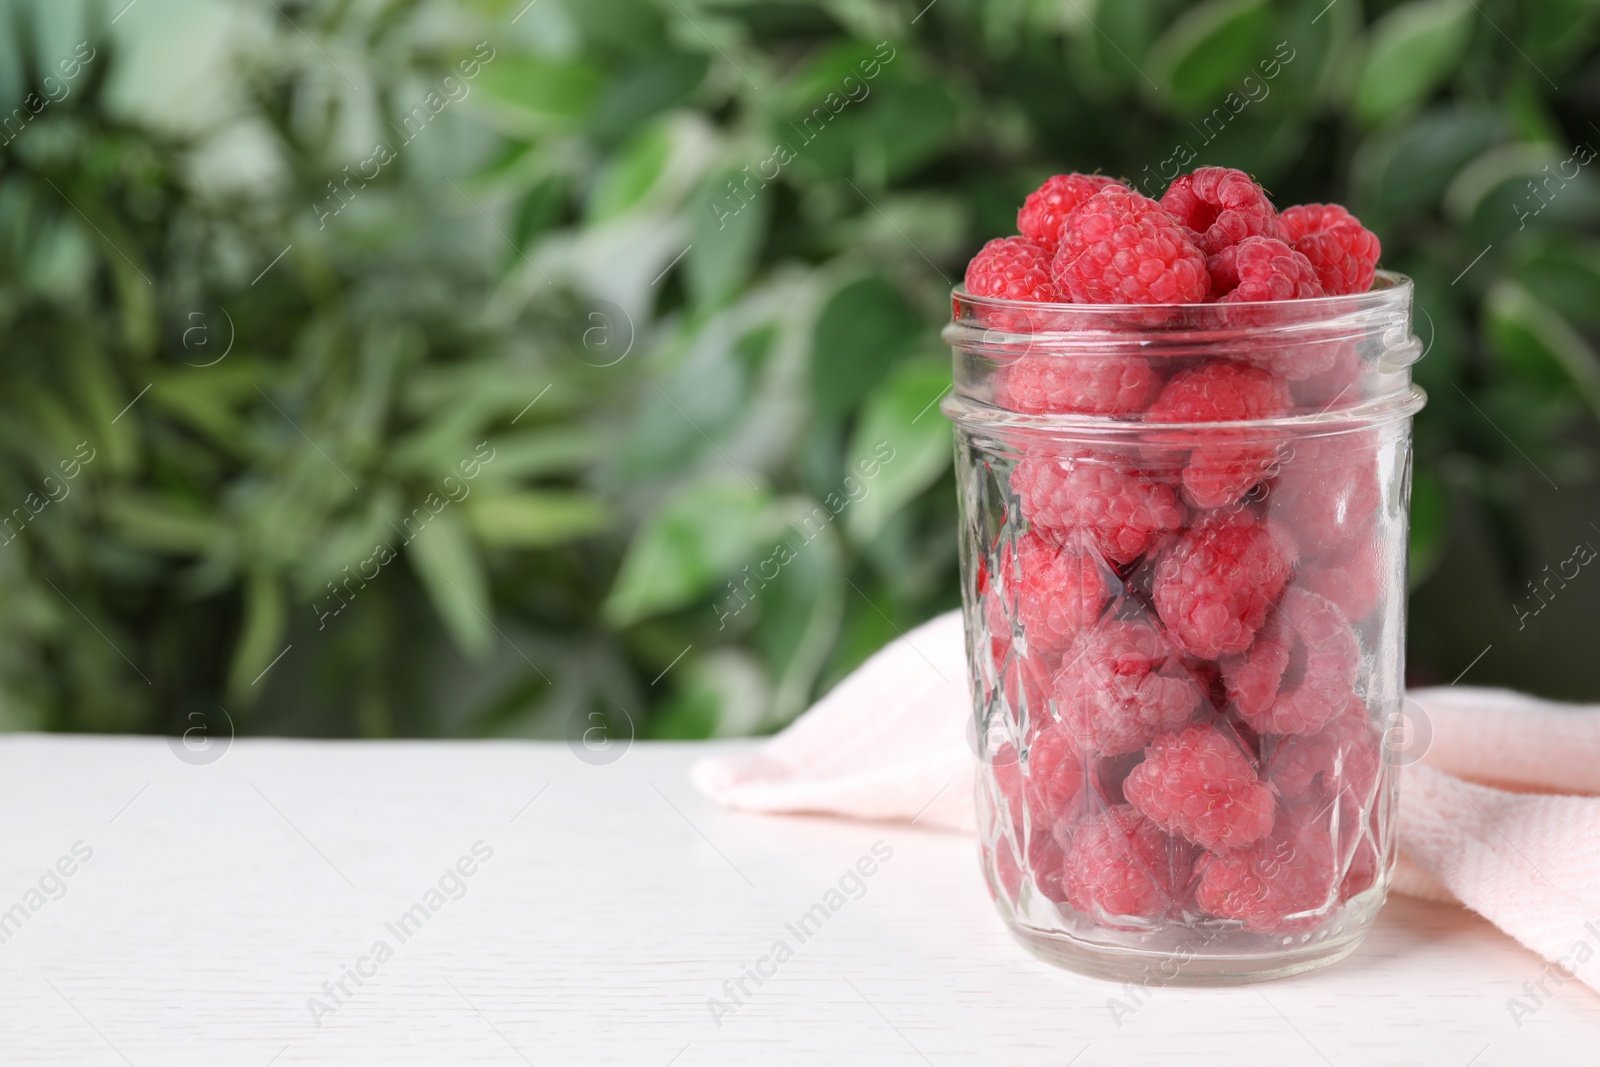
[{"x": 1487, "y": 818}]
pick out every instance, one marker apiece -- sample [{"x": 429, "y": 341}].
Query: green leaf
[
  {"x": 527, "y": 92},
  {"x": 540, "y": 453},
  {"x": 1208, "y": 50},
  {"x": 900, "y": 446},
  {"x": 535, "y": 519},
  {"x": 909, "y": 125},
  {"x": 727, "y": 232},
  {"x": 632, "y": 173},
  {"x": 1408, "y": 166},
  {"x": 864, "y": 329},
  {"x": 151, "y": 521},
  {"x": 443, "y": 558},
  {"x": 259, "y": 641},
  {"x": 700, "y": 533},
  {"x": 1540, "y": 346},
  {"x": 646, "y": 89},
  {"x": 1411, "y": 51}
]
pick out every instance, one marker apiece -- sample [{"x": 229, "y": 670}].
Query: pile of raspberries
[
  {"x": 1213, "y": 236},
  {"x": 1173, "y": 626}
]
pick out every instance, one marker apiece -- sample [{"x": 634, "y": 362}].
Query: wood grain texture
[{"x": 613, "y": 907}]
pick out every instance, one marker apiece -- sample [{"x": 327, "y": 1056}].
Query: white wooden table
[{"x": 606, "y": 906}]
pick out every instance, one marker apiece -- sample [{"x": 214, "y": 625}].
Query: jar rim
[
  {"x": 1389, "y": 289},
  {"x": 975, "y": 416}
]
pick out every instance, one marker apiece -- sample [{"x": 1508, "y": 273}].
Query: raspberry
[
  {"x": 1043, "y": 217},
  {"x": 1012, "y": 268},
  {"x": 1050, "y": 592},
  {"x": 1121, "y": 248},
  {"x": 1213, "y": 588},
  {"x": 1282, "y": 884},
  {"x": 1005, "y": 765},
  {"x": 1261, "y": 268},
  {"x": 1220, "y": 391},
  {"x": 1004, "y": 873},
  {"x": 1047, "y": 860},
  {"x": 1301, "y": 670},
  {"x": 1338, "y": 385},
  {"x": 1351, "y": 577},
  {"x": 1342, "y": 251},
  {"x": 1223, "y": 469},
  {"x": 1121, "y": 686},
  {"x": 1121, "y": 511},
  {"x": 1221, "y": 206},
  {"x": 1096, "y": 385},
  {"x": 1342, "y": 759},
  {"x": 1054, "y": 775},
  {"x": 1327, "y": 492},
  {"x": 1119, "y": 866},
  {"x": 1200, "y": 784}
]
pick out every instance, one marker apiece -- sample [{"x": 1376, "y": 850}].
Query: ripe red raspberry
[
  {"x": 1220, "y": 391},
  {"x": 1214, "y": 587},
  {"x": 1342, "y": 251},
  {"x": 1048, "y": 591},
  {"x": 1222, "y": 206},
  {"x": 1003, "y": 872},
  {"x": 1285, "y": 883},
  {"x": 1121, "y": 248},
  {"x": 1025, "y": 680},
  {"x": 1120, "y": 866},
  {"x": 1261, "y": 268},
  {"x": 1121, "y": 686},
  {"x": 1326, "y": 493},
  {"x": 1301, "y": 670},
  {"x": 1048, "y": 863},
  {"x": 1201, "y": 784},
  {"x": 1351, "y": 577},
  {"x": 1337, "y": 385},
  {"x": 1053, "y": 775},
  {"x": 1223, "y": 468},
  {"x": 1052, "y": 385},
  {"x": 1012, "y": 268},
  {"x": 1120, "y": 510},
  {"x": 1342, "y": 759},
  {"x": 1043, "y": 217},
  {"x": 1005, "y": 765}
]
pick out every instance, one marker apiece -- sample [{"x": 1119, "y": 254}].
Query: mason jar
[{"x": 1183, "y": 554}]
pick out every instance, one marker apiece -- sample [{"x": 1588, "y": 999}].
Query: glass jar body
[{"x": 1186, "y": 627}]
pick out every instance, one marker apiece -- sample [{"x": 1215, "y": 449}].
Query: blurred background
[{"x": 450, "y": 368}]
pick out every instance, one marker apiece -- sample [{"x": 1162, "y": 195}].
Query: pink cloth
[{"x": 1487, "y": 818}]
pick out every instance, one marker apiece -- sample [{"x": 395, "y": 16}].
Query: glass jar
[{"x": 1183, "y": 551}]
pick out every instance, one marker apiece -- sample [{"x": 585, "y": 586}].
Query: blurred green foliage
[{"x": 480, "y": 368}]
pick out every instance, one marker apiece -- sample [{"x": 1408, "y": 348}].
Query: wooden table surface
[{"x": 505, "y": 902}]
